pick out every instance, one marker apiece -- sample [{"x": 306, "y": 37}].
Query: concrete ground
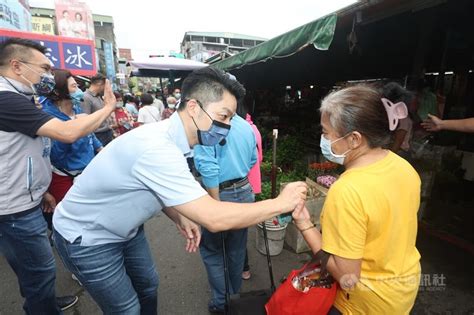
[{"x": 447, "y": 285}]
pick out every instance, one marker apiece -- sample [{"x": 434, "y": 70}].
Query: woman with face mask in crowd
[
  {"x": 121, "y": 120},
  {"x": 170, "y": 109},
  {"x": 369, "y": 219},
  {"x": 68, "y": 160}
]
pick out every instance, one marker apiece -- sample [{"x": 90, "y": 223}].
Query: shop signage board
[
  {"x": 15, "y": 15},
  {"x": 42, "y": 25},
  {"x": 109, "y": 61},
  {"x": 73, "y": 54}
]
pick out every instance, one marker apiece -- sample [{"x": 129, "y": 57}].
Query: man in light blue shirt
[
  {"x": 98, "y": 227},
  {"x": 224, "y": 170}
]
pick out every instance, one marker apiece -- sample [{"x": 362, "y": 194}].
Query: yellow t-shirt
[{"x": 370, "y": 213}]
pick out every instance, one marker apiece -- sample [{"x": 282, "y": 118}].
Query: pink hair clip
[{"x": 395, "y": 112}]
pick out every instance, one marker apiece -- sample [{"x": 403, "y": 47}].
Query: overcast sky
[{"x": 157, "y": 27}]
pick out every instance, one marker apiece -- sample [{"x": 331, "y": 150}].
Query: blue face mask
[
  {"x": 326, "y": 149},
  {"x": 77, "y": 95},
  {"x": 215, "y": 135},
  {"x": 46, "y": 84}
]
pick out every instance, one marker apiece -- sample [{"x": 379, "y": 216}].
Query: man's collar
[
  {"x": 179, "y": 134},
  {"x": 9, "y": 84}
]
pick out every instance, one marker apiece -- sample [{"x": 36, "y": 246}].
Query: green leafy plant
[
  {"x": 266, "y": 191},
  {"x": 266, "y": 168},
  {"x": 282, "y": 177}
]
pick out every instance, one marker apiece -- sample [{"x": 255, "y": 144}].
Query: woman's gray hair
[{"x": 358, "y": 108}]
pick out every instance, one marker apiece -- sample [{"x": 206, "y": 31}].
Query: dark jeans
[
  {"x": 236, "y": 244},
  {"x": 105, "y": 136},
  {"x": 120, "y": 277},
  {"x": 25, "y": 244}
]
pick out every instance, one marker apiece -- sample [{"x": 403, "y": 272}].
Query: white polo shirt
[{"x": 127, "y": 183}]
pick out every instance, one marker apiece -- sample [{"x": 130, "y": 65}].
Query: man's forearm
[
  {"x": 222, "y": 216},
  {"x": 462, "y": 125},
  {"x": 172, "y": 214},
  {"x": 87, "y": 124}
]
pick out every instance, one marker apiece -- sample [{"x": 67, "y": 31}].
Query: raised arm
[{"x": 71, "y": 130}]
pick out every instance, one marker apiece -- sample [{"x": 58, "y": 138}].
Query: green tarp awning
[{"x": 318, "y": 33}]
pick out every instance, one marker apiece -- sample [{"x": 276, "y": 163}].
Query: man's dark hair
[
  {"x": 18, "y": 48},
  {"x": 396, "y": 93},
  {"x": 98, "y": 79},
  {"x": 146, "y": 99},
  {"x": 118, "y": 95},
  {"x": 207, "y": 85},
  {"x": 128, "y": 98}
]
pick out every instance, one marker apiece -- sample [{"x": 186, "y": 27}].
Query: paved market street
[
  {"x": 183, "y": 281},
  {"x": 184, "y": 289}
]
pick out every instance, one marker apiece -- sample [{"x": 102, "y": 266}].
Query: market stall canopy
[
  {"x": 318, "y": 33},
  {"x": 370, "y": 39},
  {"x": 164, "y": 67}
]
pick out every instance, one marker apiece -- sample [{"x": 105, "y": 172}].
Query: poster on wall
[
  {"x": 14, "y": 15},
  {"x": 42, "y": 25},
  {"x": 73, "y": 54},
  {"x": 74, "y": 19}
]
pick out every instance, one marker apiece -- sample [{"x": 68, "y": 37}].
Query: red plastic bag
[{"x": 289, "y": 301}]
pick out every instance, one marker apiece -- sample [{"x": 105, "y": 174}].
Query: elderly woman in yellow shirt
[{"x": 369, "y": 219}]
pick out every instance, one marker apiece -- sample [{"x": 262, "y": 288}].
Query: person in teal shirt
[{"x": 224, "y": 168}]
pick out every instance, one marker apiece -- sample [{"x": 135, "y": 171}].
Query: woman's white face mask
[{"x": 326, "y": 149}]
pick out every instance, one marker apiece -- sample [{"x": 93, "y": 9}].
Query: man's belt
[
  {"x": 234, "y": 183},
  {"x": 17, "y": 215}
]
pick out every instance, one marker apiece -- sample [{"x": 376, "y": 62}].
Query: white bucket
[{"x": 276, "y": 238}]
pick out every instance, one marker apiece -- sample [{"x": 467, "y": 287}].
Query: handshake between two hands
[
  {"x": 296, "y": 194},
  {"x": 292, "y": 200}
]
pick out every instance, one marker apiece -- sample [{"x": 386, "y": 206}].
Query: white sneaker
[{"x": 75, "y": 278}]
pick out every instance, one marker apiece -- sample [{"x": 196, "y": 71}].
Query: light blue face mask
[
  {"x": 77, "y": 98},
  {"x": 77, "y": 95},
  {"x": 326, "y": 149}
]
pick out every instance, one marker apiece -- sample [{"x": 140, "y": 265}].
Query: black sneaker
[
  {"x": 65, "y": 302},
  {"x": 215, "y": 310}
]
